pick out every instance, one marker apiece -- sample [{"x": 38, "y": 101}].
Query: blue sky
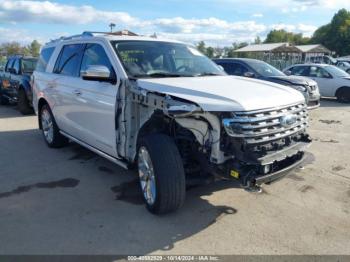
[{"x": 218, "y": 23}]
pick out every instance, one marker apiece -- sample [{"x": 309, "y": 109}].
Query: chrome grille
[{"x": 267, "y": 125}]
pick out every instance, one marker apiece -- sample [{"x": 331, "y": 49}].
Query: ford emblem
[{"x": 288, "y": 120}]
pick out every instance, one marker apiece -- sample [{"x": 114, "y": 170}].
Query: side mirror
[
  {"x": 288, "y": 73},
  {"x": 249, "y": 74},
  {"x": 96, "y": 73}
]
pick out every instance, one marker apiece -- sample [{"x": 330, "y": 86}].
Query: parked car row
[
  {"x": 164, "y": 108},
  {"x": 313, "y": 80},
  {"x": 260, "y": 70},
  {"x": 332, "y": 81},
  {"x": 15, "y": 83}
]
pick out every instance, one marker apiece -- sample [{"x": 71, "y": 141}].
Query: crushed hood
[
  {"x": 294, "y": 80},
  {"x": 224, "y": 93}
]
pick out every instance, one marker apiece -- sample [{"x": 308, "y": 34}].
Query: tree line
[
  {"x": 334, "y": 35},
  {"x": 15, "y": 48}
]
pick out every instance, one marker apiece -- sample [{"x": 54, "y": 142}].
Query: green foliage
[
  {"x": 34, "y": 48},
  {"x": 335, "y": 35},
  {"x": 15, "y": 48},
  {"x": 201, "y": 47},
  {"x": 278, "y": 36},
  {"x": 257, "y": 40}
]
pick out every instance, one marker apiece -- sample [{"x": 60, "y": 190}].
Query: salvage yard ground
[{"x": 71, "y": 201}]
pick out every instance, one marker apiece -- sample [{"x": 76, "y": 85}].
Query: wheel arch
[
  {"x": 340, "y": 89},
  {"x": 42, "y": 101}
]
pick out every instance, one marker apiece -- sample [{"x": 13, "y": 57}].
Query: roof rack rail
[
  {"x": 92, "y": 33},
  {"x": 63, "y": 38}
]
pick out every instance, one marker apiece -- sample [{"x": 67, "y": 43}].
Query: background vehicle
[
  {"x": 15, "y": 83},
  {"x": 258, "y": 69},
  {"x": 344, "y": 66},
  {"x": 331, "y": 80},
  {"x": 164, "y": 107}
]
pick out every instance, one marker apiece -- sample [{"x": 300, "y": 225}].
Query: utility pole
[{"x": 111, "y": 25}]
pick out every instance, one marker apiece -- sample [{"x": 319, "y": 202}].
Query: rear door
[
  {"x": 324, "y": 80},
  {"x": 62, "y": 87}
]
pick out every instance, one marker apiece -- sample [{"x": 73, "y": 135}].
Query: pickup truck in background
[{"x": 15, "y": 83}]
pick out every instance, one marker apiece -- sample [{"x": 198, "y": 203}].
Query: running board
[{"x": 121, "y": 163}]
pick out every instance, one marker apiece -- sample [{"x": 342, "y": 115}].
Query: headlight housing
[
  {"x": 300, "y": 88},
  {"x": 232, "y": 128}
]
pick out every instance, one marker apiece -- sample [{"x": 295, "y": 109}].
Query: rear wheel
[
  {"x": 161, "y": 173},
  {"x": 343, "y": 95},
  {"x": 50, "y": 130},
  {"x": 23, "y": 103}
]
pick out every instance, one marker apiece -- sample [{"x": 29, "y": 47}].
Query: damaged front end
[
  {"x": 255, "y": 147},
  {"x": 266, "y": 144}
]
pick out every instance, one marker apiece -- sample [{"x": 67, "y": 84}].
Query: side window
[
  {"x": 94, "y": 54},
  {"x": 318, "y": 72},
  {"x": 234, "y": 69},
  {"x": 9, "y": 65},
  {"x": 68, "y": 62},
  {"x": 300, "y": 70},
  {"x": 16, "y": 66},
  {"x": 44, "y": 58}
]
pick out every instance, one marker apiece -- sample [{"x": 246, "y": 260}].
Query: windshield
[
  {"x": 335, "y": 71},
  {"x": 144, "y": 59},
  {"x": 28, "y": 65},
  {"x": 265, "y": 69}
]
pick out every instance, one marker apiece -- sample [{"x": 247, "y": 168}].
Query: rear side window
[
  {"x": 68, "y": 62},
  {"x": 234, "y": 69},
  {"x": 94, "y": 54},
  {"x": 44, "y": 58},
  {"x": 300, "y": 70}
]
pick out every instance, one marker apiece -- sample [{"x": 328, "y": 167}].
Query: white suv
[{"x": 164, "y": 107}]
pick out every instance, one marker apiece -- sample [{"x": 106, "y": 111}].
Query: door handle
[{"x": 77, "y": 92}]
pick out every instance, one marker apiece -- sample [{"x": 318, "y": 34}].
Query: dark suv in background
[
  {"x": 15, "y": 82},
  {"x": 258, "y": 69}
]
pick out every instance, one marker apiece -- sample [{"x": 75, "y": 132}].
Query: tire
[
  {"x": 50, "y": 130},
  {"x": 3, "y": 100},
  {"x": 166, "y": 174},
  {"x": 343, "y": 95},
  {"x": 23, "y": 103}
]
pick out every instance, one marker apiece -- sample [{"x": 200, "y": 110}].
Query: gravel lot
[{"x": 71, "y": 201}]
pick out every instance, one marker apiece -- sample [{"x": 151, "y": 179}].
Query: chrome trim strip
[{"x": 302, "y": 105}]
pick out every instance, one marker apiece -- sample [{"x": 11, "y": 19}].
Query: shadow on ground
[
  {"x": 332, "y": 102},
  {"x": 88, "y": 205}
]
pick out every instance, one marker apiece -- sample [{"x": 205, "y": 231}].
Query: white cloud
[
  {"x": 212, "y": 30},
  {"x": 51, "y": 12}
]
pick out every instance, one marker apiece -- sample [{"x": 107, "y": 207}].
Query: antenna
[{"x": 112, "y": 25}]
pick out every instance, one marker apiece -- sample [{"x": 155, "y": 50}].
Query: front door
[{"x": 95, "y": 103}]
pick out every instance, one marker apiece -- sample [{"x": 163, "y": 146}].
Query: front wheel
[
  {"x": 343, "y": 95},
  {"x": 50, "y": 130},
  {"x": 161, "y": 173}
]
